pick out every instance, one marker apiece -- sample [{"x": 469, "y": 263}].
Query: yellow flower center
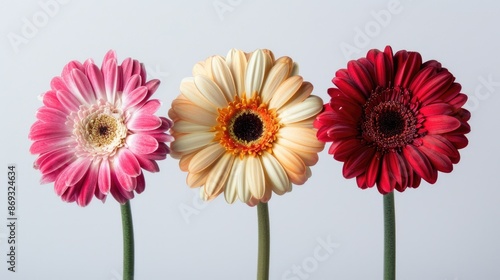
[
  {"x": 246, "y": 126},
  {"x": 101, "y": 130}
]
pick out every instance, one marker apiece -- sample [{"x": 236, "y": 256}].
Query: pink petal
[
  {"x": 134, "y": 97},
  {"x": 69, "y": 100},
  {"x": 104, "y": 180},
  {"x": 76, "y": 171},
  {"x": 141, "y": 184},
  {"x": 160, "y": 153},
  {"x": 51, "y": 101},
  {"x": 47, "y": 114},
  {"x": 143, "y": 122},
  {"x": 118, "y": 191},
  {"x": 56, "y": 160},
  {"x": 126, "y": 183},
  {"x": 110, "y": 74},
  {"x": 97, "y": 81},
  {"x": 82, "y": 85},
  {"x": 46, "y": 145},
  {"x": 150, "y": 107},
  {"x": 57, "y": 83},
  {"x": 42, "y": 131},
  {"x": 147, "y": 164},
  {"x": 142, "y": 143},
  {"x": 128, "y": 163},
  {"x": 110, "y": 55},
  {"x": 88, "y": 186}
]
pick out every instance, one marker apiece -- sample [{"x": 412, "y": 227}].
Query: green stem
[
  {"x": 389, "y": 237},
  {"x": 128, "y": 242},
  {"x": 264, "y": 242}
]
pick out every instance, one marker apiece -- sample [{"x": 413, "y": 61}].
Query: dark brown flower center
[
  {"x": 247, "y": 127},
  {"x": 389, "y": 122}
]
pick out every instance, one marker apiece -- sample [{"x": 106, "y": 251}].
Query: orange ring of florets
[{"x": 227, "y": 116}]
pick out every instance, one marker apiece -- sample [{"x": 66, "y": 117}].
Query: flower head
[
  {"x": 243, "y": 126},
  {"x": 394, "y": 120},
  {"x": 97, "y": 130}
]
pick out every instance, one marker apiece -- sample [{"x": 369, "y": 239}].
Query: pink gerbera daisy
[
  {"x": 97, "y": 131},
  {"x": 394, "y": 120}
]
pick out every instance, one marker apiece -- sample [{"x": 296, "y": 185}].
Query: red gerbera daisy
[{"x": 393, "y": 120}]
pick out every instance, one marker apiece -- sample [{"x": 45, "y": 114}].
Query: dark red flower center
[{"x": 389, "y": 121}]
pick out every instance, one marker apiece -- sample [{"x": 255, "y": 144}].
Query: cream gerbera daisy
[{"x": 243, "y": 125}]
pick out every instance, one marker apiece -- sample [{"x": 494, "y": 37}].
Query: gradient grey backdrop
[{"x": 446, "y": 231}]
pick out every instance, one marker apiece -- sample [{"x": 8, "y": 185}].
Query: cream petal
[
  {"x": 275, "y": 174},
  {"x": 206, "y": 157},
  {"x": 210, "y": 91},
  {"x": 218, "y": 175},
  {"x": 195, "y": 180},
  {"x": 302, "y": 93},
  {"x": 237, "y": 63},
  {"x": 278, "y": 73},
  {"x": 297, "y": 138},
  {"x": 191, "y": 142},
  {"x": 223, "y": 78},
  {"x": 185, "y": 159},
  {"x": 256, "y": 179},
  {"x": 309, "y": 108},
  {"x": 192, "y": 113},
  {"x": 292, "y": 163},
  {"x": 236, "y": 176},
  {"x": 191, "y": 92},
  {"x": 199, "y": 69},
  {"x": 189, "y": 127},
  {"x": 241, "y": 181},
  {"x": 285, "y": 91},
  {"x": 295, "y": 69},
  {"x": 256, "y": 72}
]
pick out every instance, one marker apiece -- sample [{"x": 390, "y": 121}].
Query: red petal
[
  {"x": 350, "y": 89},
  {"x": 357, "y": 162},
  {"x": 408, "y": 69},
  {"x": 441, "y": 124},
  {"x": 372, "y": 173},
  {"x": 361, "y": 77},
  {"x": 420, "y": 163},
  {"x": 439, "y": 161},
  {"x": 436, "y": 109}
]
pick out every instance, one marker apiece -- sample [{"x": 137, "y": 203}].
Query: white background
[{"x": 446, "y": 231}]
